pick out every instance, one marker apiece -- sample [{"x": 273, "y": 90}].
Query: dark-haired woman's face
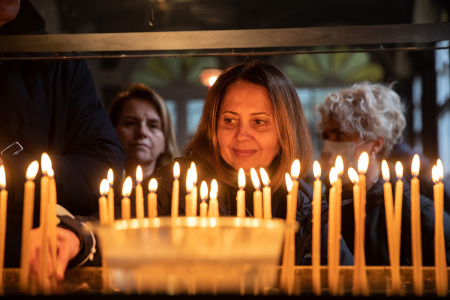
[{"x": 246, "y": 127}]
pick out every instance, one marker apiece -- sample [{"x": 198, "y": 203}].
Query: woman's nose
[
  {"x": 142, "y": 130},
  {"x": 244, "y": 132}
]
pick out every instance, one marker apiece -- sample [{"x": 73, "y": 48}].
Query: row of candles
[{"x": 262, "y": 204}]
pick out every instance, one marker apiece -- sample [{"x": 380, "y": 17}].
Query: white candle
[
  {"x": 316, "y": 223},
  {"x": 267, "y": 194},
  {"x": 126, "y": 191},
  {"x": 139, "y": 194},
  {"x": 52, "y": 225},
  {"x": 194, "y": 190},
  {"x": 416, "y": 237},
  {"x": 213, "y": 204},
  {"x": 353, "y": 175},
  {"x": 188, "y": 197},
  {"x": 204, "y": 197},
  {"x": 175, "y": 189},
  {"x": 43, "y": 258},
  {"x": 295, "y": 173},
  {"x": 257, "y": 195},
  {"x": 240, "y": 199},
  {"x": 152, "y": 199},
  {"x": 103, "y": 202},
  {"x": 333, "y": 273},
  {"x": 110, "y": 177}
]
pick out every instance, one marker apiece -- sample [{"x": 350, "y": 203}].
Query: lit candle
[
  {"x": 316, "y": 219},
  {"x": 139, "y": 194},
  {"x": 287, "y": 272},
  {"x": 52, "y": 225},
  {"x": 339, "y": 165},
  {"x": 441, "y": 280},
  {"x": 175, "y": 189},
  {"x": 3, "y": 207},
  {"x": 43, "y": 254},
  {"x": 267, "y": 194},
  {"x": 398, "y": 210},
  {"x": 27, "y": 225},
  {"x": 203, "y": 197},
  {"x": 188, "y": 197},
  {"x": 416, "y": 238},
  {"x": 152, "y": 198},
  {"x": 241, "y": 194},
  {"x": 213, "y": 204},
  {"x": 353, "y": 175},
  {"x": 257, "y": 195},
  {"x": 126, "y": 191},
  {"x": 194, "y": 190},
  {"x": 295, "y": 173},
  {"x": 103, "y": 202},
  {"x": 110, "y": 178},
  {"x": 389, "y": 209},
  {"x": 333, "y": 273}
]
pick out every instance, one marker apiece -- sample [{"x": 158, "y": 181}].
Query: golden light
[
  {"x": 176, "y": 170},
  {"x": 363, "y": 162},
  {"x": 46, "y": 163},
  {"x": 434, "y": 174},
  {"x": 333, "y": 175},
  {"x": 339, "y": 165},
  {"x": 399, "y": 170},
  {"x": 214, "y": 189},
  {"x": 50, "y": 172},
  {"x": 353, "y": 175},
  {"x": 104, "y": 187},
  {"x": 288, "y": 182},
  {"x": 255, "y": 179},
  {"x": 189, "y": 181},
  {"x": 440, "y": 169},
  {"x": 295, "y": 169},
  {"x": 127, "y": 186},
  {"x": 110, "y": 177},
  {"x": 139, "y": 174},
  {"x": 32, "y": 170},
  {"x": 194, "y": 173},
  {"x": 264, "y": 177},
  {"x": 415, "y": 165},
  {"x": 209, "y": 76},
  {"x": 241, "y": 178},
  {"x": 203, "y": 191},
  {"x": 153, "y": 185},
  {"x": 316, "y": 169},
  {"x": 385, "y": 170},
  {"x": 2, "y": 177}
]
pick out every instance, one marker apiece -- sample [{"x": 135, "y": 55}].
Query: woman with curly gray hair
[{"x": 369, "y": 117}]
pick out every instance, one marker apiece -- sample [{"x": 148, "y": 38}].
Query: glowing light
[
  {"x": 385, "y": 170},
  {"x": 316, "y": 169},
  {"x": 363, "y": 163},
  {"x": 127, "y": 186},
  {"x": 104, "y": 187},
  {"x": 153, "y": 185},
  {"x": 255, "y": 179},
  {"x": 295, "y": 169},
  {"x": 32, "y": 170}
]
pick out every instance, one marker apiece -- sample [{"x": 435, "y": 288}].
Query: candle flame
[
  {"x": 32, "y": 170},
  {"x": 440, "y": 169},
  {"x": 139, "y": 174},
  {"x": 241, "y": 178},
  {"x": 399, "y": 170},
  {"x": 50, "y": 172},
  {"x": 104, "y": 187},
  {"x": 353, "y": 175},
  {"x": 189, "y": 181},
  {"x": 2, "y": 177},
  {"x": 153, "y": 185},
  {"x": 203, "y": 191},
  {"x": 194, "y": 173},
  {"x": 333, "y": 175},
  {"x": 110, "y": 177},
  {"x": 434, "y": 174},
  {"x": 176, "y": 170},
  {"x": 385, "y": 170},
  {"x": 214, "y": 189},
  {"x": 415, "y": 165},
  {"x": 264, "y": 177},
  {"x": 255, "y": 179},
  {"x": 363, "y": 162},
  {"x": 46, "y": 163},
  {"x": 316, "y": 169},
  {"x": 127, "y": 186},
  {"x": 288, "y": 182},
  {"x": 339, "y": 165},
  {"x": 295, "y": 169}
]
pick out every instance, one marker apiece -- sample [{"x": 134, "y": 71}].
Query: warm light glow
[
  {"x": 288, "y": 182},
  {"x": 385, "y": 170},
  {"x": 32, "y": 170},
  {"x": 139, "y": 174},
  {"x": 127, "y": 186},
  {"x": 255, "y": 179},
  {"x": 214, "y": 189},
  {"x": 440, "y": 169},
  {"x": 46, "y": 163},
  {"x": 153, "y": 185},
  {"x": 295, "y": 169},
  {"x": 176, "y": 170},
  {"x": 333, "y": 175},
  {"x": 339, "y": 165},
  {"x": 50, "y": 172},
  {"x": 203, "y": 191},
  {"x": 241, "y": 178},
  {"x": 399, "y": 170},
  {"x": 363, "y": 163},
  {"x": 264, "y": 177},
  {"x": 110, "y": 177},
  {"x": 415, "y": 165},
  {"x": 209, "y": 76},
  {"x": 104, "y": 187},
  {"x": 434, "y": 174},
  {"x": 353, "y": 175},
  {"x": 189, "y": 181},
  {"x": 2, "y": 177},
  {"x": 194, "y": 173},
  {"x": 316, "y": 169}
]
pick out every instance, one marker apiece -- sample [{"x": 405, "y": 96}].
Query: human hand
[{"x": 67, "y": 247}]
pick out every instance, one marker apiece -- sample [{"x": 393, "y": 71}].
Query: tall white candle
[
  {"x": 213, "y": 204},
  {"x": 175, "y": 189},
  {"x": 316, "y": 223},
  {"x": 257, "y": 195},
  {"x": 152, "y": 199},
  {"x": 416, "y": 237},
  {"x": 194, "y": 189},
  {"x": 203, "y": 197},
  {"x": 267, "y": 194},
  {"x": 240, "y": 199},
  {"x": 126, "y": 191},
  {"x": 139, "y": 194},
  {"x": 110, "y": 199}
]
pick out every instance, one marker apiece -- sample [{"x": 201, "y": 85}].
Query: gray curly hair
[{"x": 369, "y": 109}]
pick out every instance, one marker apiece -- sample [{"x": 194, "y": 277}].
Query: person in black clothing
[{"x": 51, "y": 106}]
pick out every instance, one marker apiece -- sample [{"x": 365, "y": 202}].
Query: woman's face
[
  {"x": 8, "y": 10},
  {"x": 246, "y": 128},
  {"x": 140, "y": 130}
]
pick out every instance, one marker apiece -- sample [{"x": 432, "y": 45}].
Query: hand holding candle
[
  {"x": 139, "y": 194},
  {"x": 152, "y": 199},
  {"x": 257, "y": 195},
  {"x": 203, "y": 196},
  {"x": 126, "y": 191},
  {"x": 175, "y": 189},
  {"x": 240, "y": 199},
  {"x": 267, "y": 194}
]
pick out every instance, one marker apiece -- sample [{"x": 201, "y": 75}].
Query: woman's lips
[{"x": 243, "y": 153}]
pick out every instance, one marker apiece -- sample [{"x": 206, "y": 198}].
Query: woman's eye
[{"x": 229, "y": 120}]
